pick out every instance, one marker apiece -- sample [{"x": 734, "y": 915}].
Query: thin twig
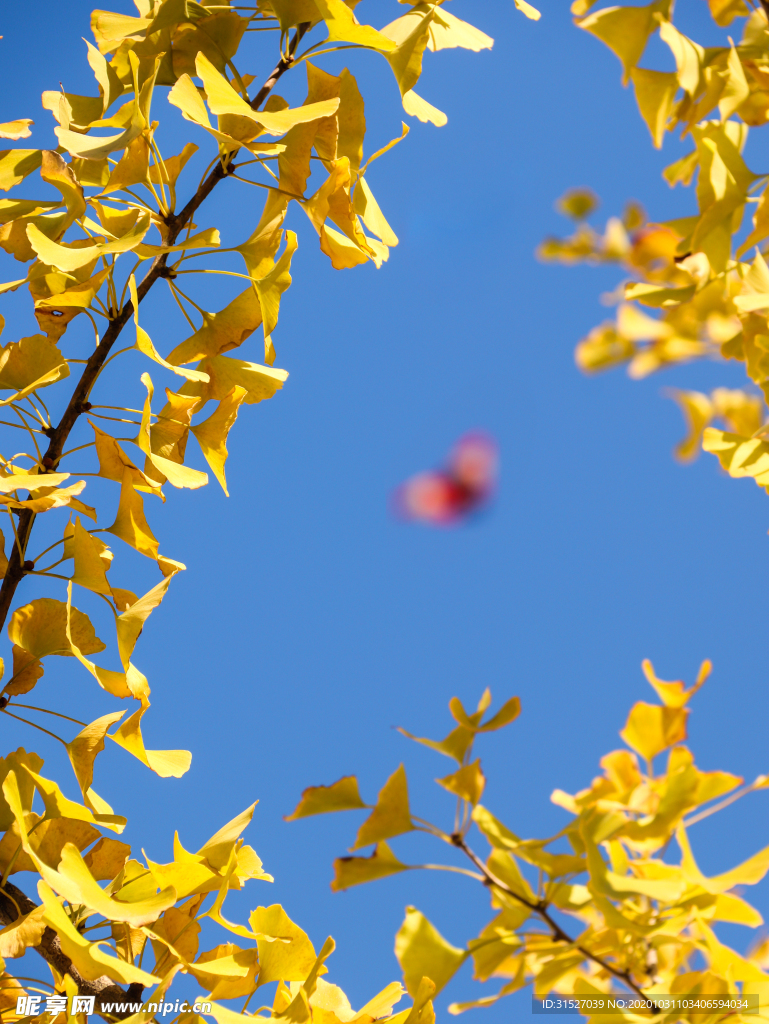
[
  {"x": 540, "y": 908},
  {"x": 729, "y": 800},
  {"x": 58, "y": 714},
  {"x": 34, "y": 725}
]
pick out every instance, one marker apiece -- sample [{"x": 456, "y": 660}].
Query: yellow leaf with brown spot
[
  {"x": 349, "y": 871},
  {"x": 340, "y": 796}
]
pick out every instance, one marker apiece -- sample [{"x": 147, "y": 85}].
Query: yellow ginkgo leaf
[
  {"x": 221, "y": 331},
  {"x": 145, "y": 346},
  {"x": 340, "y": 796},
  {"x": 27, "y": 669},
  {"x": 447, "y": 31},
  {"x": 222, "y": 99},
  {"x": 91, "y": 961},
  {"x": 467, "y": 783},
  {"x": 40, "y": 627},
  {"x": 212, "y": 433},
  {"x": 343, "y": 27},
  {"x": 16, "y": 164},
  {"x": 626, "y": 30},
  {"x": 698, "y": 411},
  {"x": 130, "y": 683},
  {"x": 56, "y": 172},
  {"x": 218, "y": 849},
  {"x": 367, "y": 208},
  {"x": 188, "y": 873},
  {"x": 391, "y": 815},
  {"x": 202, "y": 240},
  {"x": 93, "y": 147},
  {"x": 68, "y": 259},
  {"x": 260, "y": 382},
  {"x": 281, "y": 961},
  {"x": 650, "y": 729},
  {"x": 275, "y": 281},
  {"x": 16, "y": 130},
  {"x": 675, "y": 694},
  {"x": 418, "y": 107},
  {"x": 748, "y": 873},
  {"x": 89, "y": 564},
  {"x": 165, "y": 763},
  {"x": 130, "y": 622},
  {"x": 107, "y": 858},
  {"x": 130, "y": 522},
  {"x": 86, "y": 746},
  {"x": 177, "y": 474},
  {"x": 423, "y": 952},
  {"x": 114, "y": 463},
  {"x": 31, "y": 363},
  {"x": 525, "y": 8},
  {"x": 736, "y": 90},
  {"x": 59, "y": 806},
  {"x": 349, "y": 871},
  {"x": 27, "y": 930},
  {"x": 739, "y": 456},
  {"x": 76, "y": 884},
  {"x": 655, "y": 93}
]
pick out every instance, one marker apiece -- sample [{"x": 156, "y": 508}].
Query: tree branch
[
  {"x": 13, "y": 902},
  {"x": 540, "y": 908},
  {"x": 12, "y": 899},
  {"x": 175, "y": 223}
]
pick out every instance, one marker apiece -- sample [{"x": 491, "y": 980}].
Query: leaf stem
[
  {"x": 725, "y": 803},
  {"x": 46, "y": 711}
]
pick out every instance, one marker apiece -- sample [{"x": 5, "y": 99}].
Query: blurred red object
[{"x": 450, "y": 496}]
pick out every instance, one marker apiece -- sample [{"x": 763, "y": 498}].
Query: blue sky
[{"x": 309, "y": 622}]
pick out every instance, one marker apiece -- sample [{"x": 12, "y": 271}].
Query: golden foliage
[
  {"x": 614, "y": 903},
  {"x": 120, "y": 218}
]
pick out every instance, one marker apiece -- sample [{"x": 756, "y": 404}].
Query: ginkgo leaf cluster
[
  {"x": 613, "y": 902},
  {"x": 91, "y": 228},
  {"x": 697, "y": 286}
]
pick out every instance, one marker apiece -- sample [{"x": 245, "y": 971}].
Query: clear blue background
[{"x": 309, "y": 622}]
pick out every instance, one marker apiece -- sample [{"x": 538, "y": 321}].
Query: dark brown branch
[
  {"x": 13, "y": 900},
  {"x": 540, "y": 908},
  {"x": 282, "y": 66},
  {"x": 175, "y": 224},
  {"x": 104, "y": 989}
]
